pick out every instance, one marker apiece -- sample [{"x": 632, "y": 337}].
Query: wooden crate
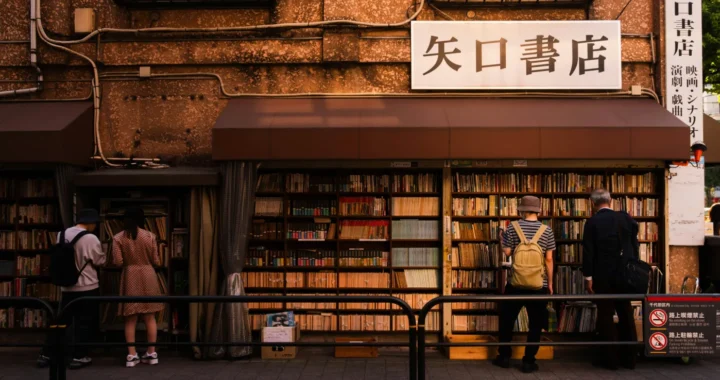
[
  {"x": 471, "y": 353},
  {"x": 544, "y": 353},
  {"x": 356, "y": 352}
]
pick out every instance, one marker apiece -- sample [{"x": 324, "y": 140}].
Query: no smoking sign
[{"x": 658, "y": 318}]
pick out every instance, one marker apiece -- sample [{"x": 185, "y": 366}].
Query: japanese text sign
[
  {"x": 683, "y": 98},
  {"x": 681, "y": 325},
  {"x": 468, "y": 55}
]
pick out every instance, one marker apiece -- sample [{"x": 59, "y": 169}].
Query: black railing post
[
  {"x": 413, "y": 349},
  {"x": 421, "y": 340},
  {"x": 57, "y": 352}
]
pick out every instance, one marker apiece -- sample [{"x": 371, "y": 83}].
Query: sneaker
[
  {"x": 529, "y": 367},
  {"x": 132, "y": 361},
  {"x": 78, "y": 363},
  {"x": 43, "y": 361},
  {"x": 501, "y": 362},
  {"x": 151, "y": 359}
]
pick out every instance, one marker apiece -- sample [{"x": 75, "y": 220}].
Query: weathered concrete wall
[
  {"x": 683, "y": 261},
  {"x": 174, "y": 117}
]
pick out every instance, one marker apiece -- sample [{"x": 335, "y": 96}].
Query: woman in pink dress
[{"x": 136, "y": 250}]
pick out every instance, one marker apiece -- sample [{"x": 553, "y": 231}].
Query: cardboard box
[
  {"x": 279, "y": 335},
  {"x": 471, "y": 353},
  {"x": 544, "y": 353},
  {"x": 356, "y": 352}
]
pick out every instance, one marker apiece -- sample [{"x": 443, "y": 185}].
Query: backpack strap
[
  {"x": 538, "y": 234},
  {"x": 75, "y": 240},
  {"x": 519, "y": 232}
]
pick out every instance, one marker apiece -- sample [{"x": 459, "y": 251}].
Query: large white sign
[
  {"x": 683, "y": 35},
  {"x": 473, "y": 55}
]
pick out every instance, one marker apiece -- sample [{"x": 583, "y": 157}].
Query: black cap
[{"x": 88, "y": 216}]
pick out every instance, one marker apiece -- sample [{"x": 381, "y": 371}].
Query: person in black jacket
[{"x": 608, "y": 235}]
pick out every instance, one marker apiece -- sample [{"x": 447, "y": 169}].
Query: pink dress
[{"x": 138, "y": 278}]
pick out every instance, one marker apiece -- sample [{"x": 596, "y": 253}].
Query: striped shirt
[{"x": 529, "y": 228}]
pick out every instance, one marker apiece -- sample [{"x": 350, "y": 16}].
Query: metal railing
[
  {"x": 58, "y": 370},
  {"x": 422, "y": 345}
]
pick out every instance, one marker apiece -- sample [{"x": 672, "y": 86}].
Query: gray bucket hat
[{"x": 529, "y": 203}]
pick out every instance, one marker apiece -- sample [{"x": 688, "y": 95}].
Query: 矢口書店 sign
[{"x": 459, "y": 55}]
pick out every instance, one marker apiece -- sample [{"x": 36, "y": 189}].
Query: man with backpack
[
  {"x": 609, "y": 238},
  {"x": 73, "y": 265},
  {"x": 531, "y": 245}
]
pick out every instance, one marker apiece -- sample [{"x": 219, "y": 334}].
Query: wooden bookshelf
[
  {"x": 376, "y": 197},
  {"x": 29, "y": 224}
]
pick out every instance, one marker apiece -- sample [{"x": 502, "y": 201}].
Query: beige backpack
[{"x": 528, "y": 268}]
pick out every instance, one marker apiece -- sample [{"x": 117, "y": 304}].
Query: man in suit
[{"x": 607, "y": 236}]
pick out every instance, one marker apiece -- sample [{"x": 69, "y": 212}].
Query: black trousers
[
  {"x": 82, "y": 320},
  {"x": 608, "y": 330},
  {"x": 537, "y": 315}
]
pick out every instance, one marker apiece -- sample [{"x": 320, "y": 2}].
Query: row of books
[
  {"x": 23, "y": 318},
  {"x": 20, "y": 287},
  {"x": 312, "y": 207},
  {"x": 572, "y": 182},
  {"x": 569, "y": 229},
  {"x": 572, "y": 207},
  {"x": 415, "y": 257},
  {"x": 487, "y": 206},
  {"x": 268, "y": 206},
  {"x": 637, "y": 206},
  {"x": 477, "y": 255},
  {"x": 415, "y": 229},
  {"x": 363, "y": 206},
  {"x": 329, "y": 322},
  {"x": 261, "y": 230},
  {"x": 472, "y": 231},
  {"x": 365, "y": 323},
  {"x": 8, "y": 240},
  {"x": 554, "y": 182},
  {"x": 39, "y": 265},
  {"x": 306, "y": 183},
  {"x": 416, "y": 278},
  {"x": 363, "y": 183},
  {"x": 311, "y": 231},
  {"x": 37, "y": 214},
  {"x": 416, "y": 206},
  {"x": 364, "y": 229},
  {"x": 569, "y": 280},
  {"x": 474, "y": 305},
  {"x": 473, "y": 279},
  {"x": 577, "y": 317},
  {"x": 8, "y": 213},
  {"x": 363, "y": 258},
  {"x": 27, "y": 188},
  {"x": 484, "y": 323},
  {"x": 415, "y": 183},
  {"x": 569, "y": 253},
  {"x": 37, "y": 239}
]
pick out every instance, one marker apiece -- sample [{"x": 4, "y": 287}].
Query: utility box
[{"x": 84, "y": 20}]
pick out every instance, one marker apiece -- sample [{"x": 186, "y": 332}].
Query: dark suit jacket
[{"x": 602, "y": 245}]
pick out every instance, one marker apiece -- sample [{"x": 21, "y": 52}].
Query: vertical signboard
[{"x": 683, "y": 96}]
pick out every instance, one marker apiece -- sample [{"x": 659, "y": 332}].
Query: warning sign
[
  {"x": 658, "y": 318},
  {"x": 658, "y": 341},
  {"x": 682, "y": 325}
]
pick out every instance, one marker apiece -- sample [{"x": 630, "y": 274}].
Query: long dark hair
[{"x": 134, "y": 219}]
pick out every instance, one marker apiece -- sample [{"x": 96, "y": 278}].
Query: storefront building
[{"x": 364, "y": 156}]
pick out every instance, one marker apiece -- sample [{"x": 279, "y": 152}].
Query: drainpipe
[{"x": 33, "y": 59}]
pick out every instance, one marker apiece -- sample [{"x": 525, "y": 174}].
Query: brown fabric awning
[
  {"x": 711, "y": 137},
  {"x": 170, "y": 177},
  {"x": 46, "y": 132},
  {"x": 448, "y": 128}
]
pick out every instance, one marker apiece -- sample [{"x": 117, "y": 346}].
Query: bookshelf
[
  {"x": 351, "y": 233},
  {"x": 485, "y": 201},
  {"x": 29, "y": 226},
  {"x": 166, "y": 217}
]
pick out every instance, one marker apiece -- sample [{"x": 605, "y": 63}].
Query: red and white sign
[
  {"x": 658, "y": 341},
  {"x": 658, "y": 318}
]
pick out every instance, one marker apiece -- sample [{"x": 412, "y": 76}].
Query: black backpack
[{"x": 63, "y": 271}]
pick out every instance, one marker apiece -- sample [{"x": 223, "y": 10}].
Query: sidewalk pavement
[{"x": 319, "y": 365}]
